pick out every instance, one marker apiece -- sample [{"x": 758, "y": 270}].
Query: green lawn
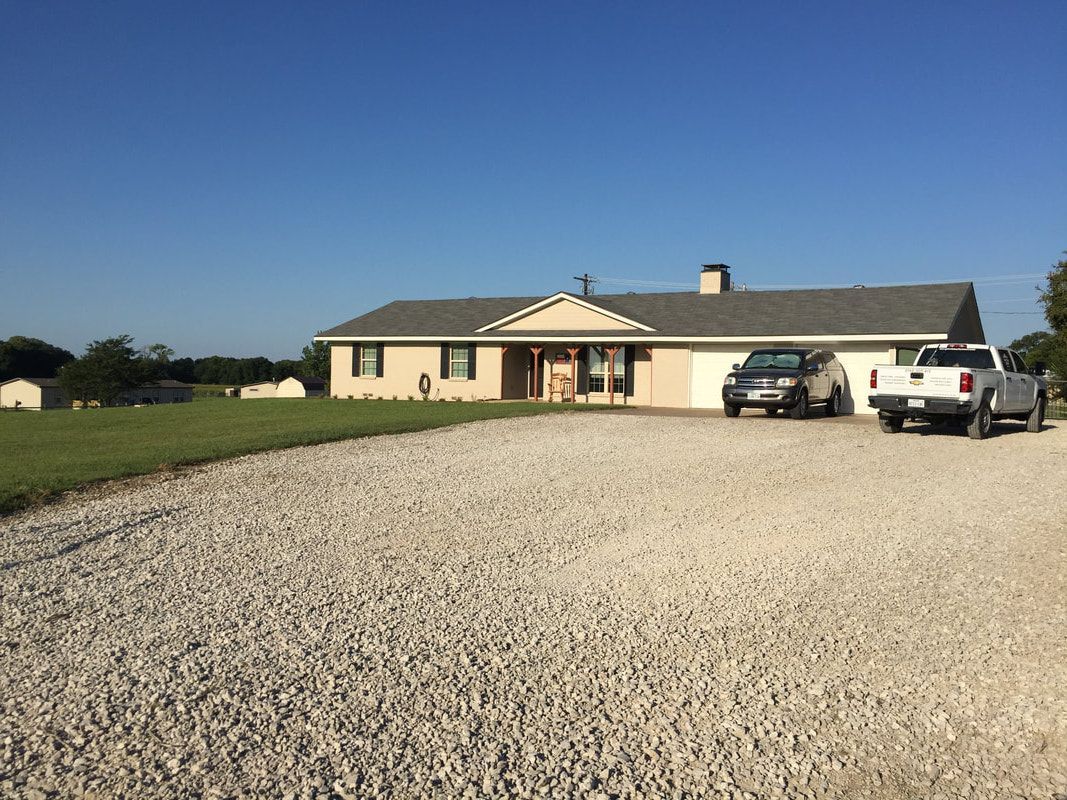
[{"x": 43, "y": 453}]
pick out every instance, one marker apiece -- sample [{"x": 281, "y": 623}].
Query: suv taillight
[
  {"x": 966, "y": 382},
  {"x": 874, "y": 379}
]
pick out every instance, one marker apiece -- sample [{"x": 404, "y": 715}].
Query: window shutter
[
  {"x": 381, "y": 359},
  {"x": 357, "y": 351},
  {"x": 628, "y": 380},
  {"x": 444, "y": 361},
  {"x": 583, "y": 372},
  {"x": 472, "y": 360}
]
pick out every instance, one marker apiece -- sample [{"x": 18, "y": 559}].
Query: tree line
[
  {"x": 1049, "y": 347},
  {"x": 109, "y": 367}
]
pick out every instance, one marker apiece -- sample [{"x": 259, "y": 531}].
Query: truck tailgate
[{"x": 943, "y": 382}]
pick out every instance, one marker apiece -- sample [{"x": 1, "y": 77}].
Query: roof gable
[{"x": 564, "y": 312}]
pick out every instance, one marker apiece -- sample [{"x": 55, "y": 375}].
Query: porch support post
[
  {"x": 573, "y": 352},
  {"x": 503, "y": 352},
  {"x": 611, "y": 351},
  {"x": 536, "y": 350},
  {"x": 648, "y": 349}
]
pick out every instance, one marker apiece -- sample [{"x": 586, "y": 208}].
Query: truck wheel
[
  {"x": 833, "y": 405},
  {"x": 980, "y": 422},
  {"x": 1036, "y": 417},
  {"x": 731, "y": 411},
  {"x": 770, "y": 412},
  {"x": 891, "y": 424},
  {"x": 800, "y": 410}
]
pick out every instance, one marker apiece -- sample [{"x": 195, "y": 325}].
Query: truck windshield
[
  {"x": 944, "y": 357},
  {"x": 766, "y": 359}
]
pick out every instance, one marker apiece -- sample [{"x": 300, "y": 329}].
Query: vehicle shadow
[{"x": 1000, "y": 428}]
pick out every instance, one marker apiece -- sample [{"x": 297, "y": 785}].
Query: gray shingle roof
[{"x": 930, "y": 308}]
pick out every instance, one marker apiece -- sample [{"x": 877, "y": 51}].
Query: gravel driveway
[{"x": 587, "y": 605}]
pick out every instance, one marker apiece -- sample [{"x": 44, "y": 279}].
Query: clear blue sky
[{"x": 229, "y": 178}]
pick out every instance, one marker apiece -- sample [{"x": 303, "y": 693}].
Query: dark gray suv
[{"x": 785, "y": 378}]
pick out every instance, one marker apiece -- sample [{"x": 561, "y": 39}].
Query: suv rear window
[{"x": 945, "y": 357}]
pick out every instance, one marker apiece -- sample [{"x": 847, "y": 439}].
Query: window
[
  {"x": 773, "y": 359},
  {"x": 955, "y": 357},
  {"x": 1020, "y": 365},
  {"x": 906, "y": 356},
  {"x": 598, "y": 371},
  {"x": 368, "y": 361},
  {"x": 458, "y": 360}
]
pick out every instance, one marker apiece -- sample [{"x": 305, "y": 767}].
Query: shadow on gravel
[
  {"x": 74, "y": 546},
  {"x": 998, "y": 429}
]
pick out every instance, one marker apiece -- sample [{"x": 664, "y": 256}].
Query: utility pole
[{"x": 587, "y": 282}]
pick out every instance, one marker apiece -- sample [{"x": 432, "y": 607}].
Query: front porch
[{"x": 610, "y": 373}]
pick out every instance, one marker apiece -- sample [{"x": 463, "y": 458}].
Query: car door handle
[{"x": 1009, "y": 380}]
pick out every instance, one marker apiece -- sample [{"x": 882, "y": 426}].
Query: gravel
[{"x": 589, "y": 606}]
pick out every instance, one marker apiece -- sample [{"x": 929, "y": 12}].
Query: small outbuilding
[
  {"x": 32, "y": 394},
  {"x": 256, "y": 390},
  {"x": 164, "y": 391},
  {"x": 301, "y": 386}
]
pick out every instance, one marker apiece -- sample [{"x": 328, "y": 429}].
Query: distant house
[
  {"x": 261, "y": 389},
  {"x": 32, "y": 394},
  {"x": 302, "y": 386},
  {"x": 40, "y": 393},
  {"x": 164, "y": 391}
]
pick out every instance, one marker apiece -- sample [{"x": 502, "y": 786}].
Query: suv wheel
[
  {"x": 833, "y": 405},
  {"x": 1036, "y": 416},
  {"x": 731, "y": 410},
  {"x": 891, "y": 424},
  {"x": 800, "y": 410},
  {"x": 980, "y": 422}
]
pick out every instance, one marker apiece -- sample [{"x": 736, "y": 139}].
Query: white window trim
[
  {"x": 363, "y": 361},
  {"x": 452, "y": 361}
]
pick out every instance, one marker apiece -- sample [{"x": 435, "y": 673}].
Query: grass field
[{"x": 43, "y": 453}]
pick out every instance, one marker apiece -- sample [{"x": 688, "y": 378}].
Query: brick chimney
[{"x": 714, "y": 278}]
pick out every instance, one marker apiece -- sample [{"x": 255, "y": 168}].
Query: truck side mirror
[{"x": 736, "y": 366}]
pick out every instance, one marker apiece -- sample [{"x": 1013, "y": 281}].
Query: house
[
  {"x": 261, "y": 389},
  {"x": 300, "y": 386},
  {"x": 650, "y": 349},
  {"x": 164, "y": 391},
  {"x": 32, "y": 393},
  {"x": 38, "y": 393}
]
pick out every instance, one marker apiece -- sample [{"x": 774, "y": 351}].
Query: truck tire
[
  {"x": 800, "y": 410},
  {"x": 980, "y": 422},
  {"x": 891, "y": 424},
  {"x": 833, "y": 405},
  {"x": 731, "y": 410},
  {"x": 1037, "y": 416}
]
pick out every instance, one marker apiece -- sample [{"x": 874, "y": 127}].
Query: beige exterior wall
[
  {"x": 402, "y": 364},
  {"x": 259, "y": 390},
  {"x": 21, "y": 394},
  {"x": 670, "y": 376},
  {"x": 565, "y": 315}
]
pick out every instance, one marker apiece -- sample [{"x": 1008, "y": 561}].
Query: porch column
[
  {"x": 573, "y": 352},
  {"x": 503, "y": 352},
  {"x": 648, "y": 349},
  {"x": 536, "y": 350},
  {"x": 611, "y": 351}
]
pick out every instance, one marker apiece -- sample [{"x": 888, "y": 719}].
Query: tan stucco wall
[
  {"x": 566, "y": 316},
  {"x": 21, "y": 393},
  {"x": 670, "y": 376},
  {"x": 402, "y": 364},
  {"x": 258, "y": 390}
]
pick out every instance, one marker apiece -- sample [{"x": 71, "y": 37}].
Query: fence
[{"x": 1057, "y": 400}]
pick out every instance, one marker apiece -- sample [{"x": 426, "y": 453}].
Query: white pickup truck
[{"x": 963, "y": 384}]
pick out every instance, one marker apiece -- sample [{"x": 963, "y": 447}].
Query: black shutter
[
  {"x": 472, "y": 361},
  {"x": 583, "y": 372},
  {"x": 381, "y": 359},
  {"x": 356, "y": 352},
  {"x": 444, "y": 361},
  {"x": 530, "y": 363},
  {"x": 628, "y": 380}
]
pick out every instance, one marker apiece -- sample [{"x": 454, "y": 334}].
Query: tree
[
  {"x": 159, "y": 353},
  {"x": 1034, "y": 347},
  {"x": 317, "y": 360},
  {"x": 1045, "y": 346},
  {"x": 108, "y": 368},
  {"x": 286, "y": 368},
  {"x": 26, "y": 357}
]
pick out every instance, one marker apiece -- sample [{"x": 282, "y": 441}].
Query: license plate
[
  {"x": 754, "y": 395},
  {"x": 916, "y": 402}
]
